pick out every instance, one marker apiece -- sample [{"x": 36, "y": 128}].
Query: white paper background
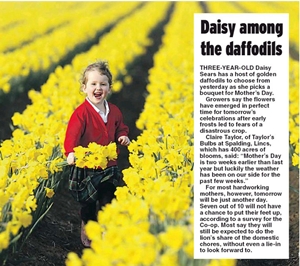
[{"x": 276, "y": 122}]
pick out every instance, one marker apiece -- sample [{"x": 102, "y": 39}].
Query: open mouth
[{"x": 98, "y": 95}]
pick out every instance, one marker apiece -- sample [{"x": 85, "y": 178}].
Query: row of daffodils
[
  {"x": 29, "y": 173},
  {"x": 294, "y": 112},
  {"x": 66, "y": 31},
  {"x": 153, "y": 214},
  {"x": 49, "y": 16}
]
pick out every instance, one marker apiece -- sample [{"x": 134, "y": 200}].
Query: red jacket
[{"x": 86, "y": 126}]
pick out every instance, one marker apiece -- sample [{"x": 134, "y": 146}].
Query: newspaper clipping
[{"x": 241, "y": 136}]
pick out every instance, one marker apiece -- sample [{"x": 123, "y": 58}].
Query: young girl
[{"x": 96, "y": 120}]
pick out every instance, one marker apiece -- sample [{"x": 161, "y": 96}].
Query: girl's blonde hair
[{"x": 101, "y": 66}]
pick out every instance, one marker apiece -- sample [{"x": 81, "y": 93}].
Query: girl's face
[{"x": 97, "y": 87}]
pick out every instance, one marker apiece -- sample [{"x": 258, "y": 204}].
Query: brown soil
[{"x": 54, "y": 237}]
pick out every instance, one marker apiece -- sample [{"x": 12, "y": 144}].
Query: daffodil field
[{"x": 153, "y": 214}]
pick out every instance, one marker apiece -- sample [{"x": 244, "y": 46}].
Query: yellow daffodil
[{"x": 49, "y": 192}]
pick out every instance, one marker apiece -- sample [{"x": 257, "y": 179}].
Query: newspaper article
[{"x": 241, "y": 136}]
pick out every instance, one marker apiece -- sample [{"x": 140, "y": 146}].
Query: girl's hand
[
  {"x": 71, "y": 158},
  {"x": 124, "y": 140}
]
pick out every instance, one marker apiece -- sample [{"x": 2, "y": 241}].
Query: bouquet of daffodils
[{"x": 94, "y": 155}]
